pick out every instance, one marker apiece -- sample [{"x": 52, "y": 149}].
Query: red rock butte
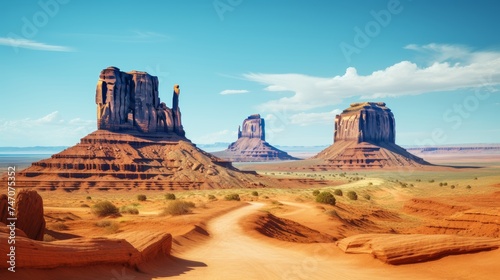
[
  {"x": 365, "y": 137},
  {"x": 251, "y": 145},
  {"x": 140, "y": 143}
]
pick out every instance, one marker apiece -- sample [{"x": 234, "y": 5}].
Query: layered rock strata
[
  {"x": 251, "y": 145},
  {"x": 364, "y": 137},
  {"x": 140, "y": 143}
]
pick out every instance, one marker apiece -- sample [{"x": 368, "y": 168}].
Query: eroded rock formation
[
  {"x": 127, "y": 101},
  {"x": 140, "y": 144},
  {"x": 29, "y": 213},
  {"x": 414, "y": 248},
  {"x": 4, "y": 208},
  {"x": 364, "y": 137},
  {"x": 251, "y": 145}
]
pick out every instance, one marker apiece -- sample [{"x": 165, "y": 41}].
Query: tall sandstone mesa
[
  {"x": 365, "y": 137},
  {"x": 251, "y": 145},
  {"x": 140, "y": 143}
]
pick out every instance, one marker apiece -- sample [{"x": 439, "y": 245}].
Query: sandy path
[{"x": 231, "y": 254}]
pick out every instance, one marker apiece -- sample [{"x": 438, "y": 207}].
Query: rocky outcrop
[
  {"x": 251, "y": 145},
  {"x": 414, "y": 248},
  {"x": 140, "y": 144},
  {"x": 4, "y": 213},
  {"x": 29, "y": 213},
  {"x": 253, "y": 127},
  {"x": 364, "y": 137},
  {"x": 130, "y": 101},
  {"x": 369, "y": 122},
  {"x": 88, "y": 251}
]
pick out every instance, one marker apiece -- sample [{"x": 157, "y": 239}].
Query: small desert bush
[
  {"x": 275, "y": 202},
  {"x": 110, "y": 226},
  {"x": 129, "y": 210},
  {"x": 468, "y": 187},
  {"x": 104, "y": 208},
  {"x": 58, "y": 226},
  {"x": 452, "y": 186},
  {"x": 232, "y": 196},
  {"x": 325, "y": 197},
  {"x": 255, "y": 193},
  {"x": 178, "y": 207},
  {"x": 141, "y": 197},
  {"x": 352, "y": 195},
  {"x": 84, "y": 205},
  {"x": 315, "y": 192},
  {"x": 212, "y": 197},
  {"x": 367, "y": 196},
  {"x": 48, "y": 238},
  {"x": 338, "y": 192},
  {"x": 431, "y": 181},
  {"x": 89, "y": 198},
  {"x": 332, "y": 213},
  {"x": 170, "y": 196}
]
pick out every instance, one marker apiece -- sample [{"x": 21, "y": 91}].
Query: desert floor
[{"x": 282, "y": 233}]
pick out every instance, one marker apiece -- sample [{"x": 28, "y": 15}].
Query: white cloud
[
  {"x": 304, "y": 119},
  {"x": 48, "y": 130},
  {"x": 233, "y": 91},
  {"x": 29, "y": 44},
  {"x": 218, "y": 136},
  {"x": 474, "y": 69}
]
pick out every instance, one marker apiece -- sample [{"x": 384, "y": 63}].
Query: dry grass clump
[
  {"x": 129, "y": 210},
  {"x": 104, "y": 209},
  {"x": 178, "y": 207}
]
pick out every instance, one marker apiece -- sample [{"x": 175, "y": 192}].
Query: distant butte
[
  {"x": 364, "y": 137},
  {"x": 140, "y": 144},
  {"x": 251, "y": 145}
]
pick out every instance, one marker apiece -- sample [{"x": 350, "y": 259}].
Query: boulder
[{"x": 29, "y": 213}]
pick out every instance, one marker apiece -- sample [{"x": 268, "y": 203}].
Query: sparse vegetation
[
  {"x": 326, "y": 198},
  {"x": 370, "y": 184},
  {"x": 431, "y": 181},
  {"x": 105, "y": 208},
  {"x": 48, "y": 238},
  {"x": 352, "y": 195},
  {"x": 89, "y": 198},
  {"x": 468, "y": 187},
  {"x": 212, "y": 197},
  {"x": 141, "y": 197},
  {"x": 178, "y": 207},
  {"x": 275, "y": 202},
  {"x": 83, "y": 205},
  {"x": 367, "y": 196},
  {"x": 338, "y": 192},
  {"x": 129, "y": 210},
  {"x": 58, "y": 226},
  {"x": 170, "y": 196},
  {"x": 110, "y": 226},
  {"x": 332, "y": 213},
  {"x": 315, "y": 192},
  {"x": 255, "y": 193},
  {"x": 232, "y": 196}
]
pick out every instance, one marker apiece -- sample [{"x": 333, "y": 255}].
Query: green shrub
[
  {"x": 338, "y": 192},
  {"x": 367, "y": 196},
  {"x": 88, "y": 198},
  {"x": 325, "y": 197},
  {"x": 104, "y": 208},
  {"x": 370, "y": 184},
  {"x": 352, "y": 195},
  {"x": 110, "y": 226},
  {"x": 255, "y": 193},
  {"x": 170, "y": 196},
  {"x": 129, "y": 210},
  {"x": 468, "y": 187},
  {"x": 232, "y": 196},
  {"x": 315, "y": 192},
  {"x": 178, "y": 207},
  {"x": 141, "y": 197},
  {"x": 431, "y": 181},
  {"x": 452, "y": 186}
]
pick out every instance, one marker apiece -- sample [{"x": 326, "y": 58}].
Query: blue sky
[{"x": 298, "y": 63}]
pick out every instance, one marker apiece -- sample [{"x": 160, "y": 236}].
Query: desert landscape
[{"x": 249, "y": 140}]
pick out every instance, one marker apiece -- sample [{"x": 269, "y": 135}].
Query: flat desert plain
[{"x": 431, "y": 223}]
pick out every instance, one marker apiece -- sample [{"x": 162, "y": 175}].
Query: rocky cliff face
[
  {"x": 253, "y": 127},
  {"x": 364, "y": 137},
  {"x": 127, "y": 101},
  {"x": 366, "y": 122},
  {"x": 29, "y": 209},
  {"x": 251, "y": 144}
]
